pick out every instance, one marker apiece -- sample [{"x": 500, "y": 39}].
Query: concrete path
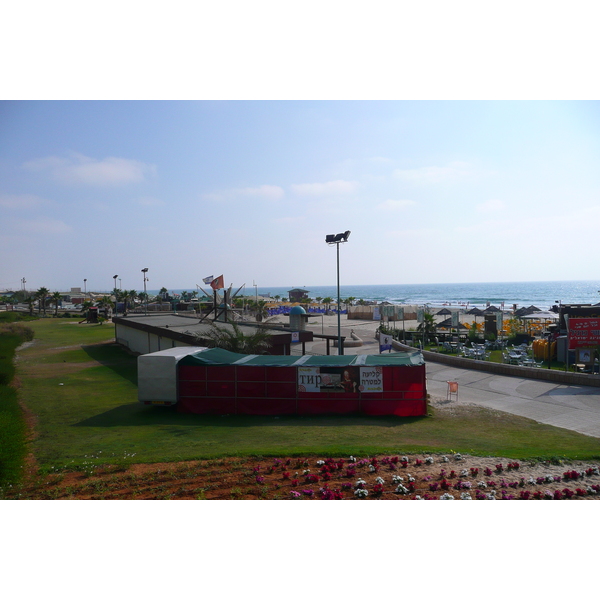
[{"x": 568, "y": 406}]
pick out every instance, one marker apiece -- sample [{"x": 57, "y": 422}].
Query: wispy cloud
[
  {"x": 264, "y": 192},
  {"x": 149, "y": 201},
  {"x": 80, "y": 169},
  {"x": 490, "y": 206},
  {"x": 43, "y": 226},
  {"x": 454, "y": 171},
  {"x": 21, "y": 201},
  {"x": 395, "y": 205},
  {"x": 328, "y": 188}
]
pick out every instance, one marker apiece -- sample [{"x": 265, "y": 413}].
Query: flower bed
[{"x": 389, "y": 477}]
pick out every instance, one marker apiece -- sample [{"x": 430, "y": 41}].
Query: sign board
[
  {"x": 376, "y": 313},
  {"x": 400, "y": 313},
  {"x": 295, "y": 336},
  {"x": 340, "y": 379},
  {"x": 499, "y": 321},
  {"x": 455, "y": 319},
  {"x": 583, "y": 333},
  {"x": 385, "y": 342},
  {"x": 420, "y": 315}
]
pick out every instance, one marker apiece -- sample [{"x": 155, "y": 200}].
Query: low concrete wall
[{"x": 459, "y": 362}]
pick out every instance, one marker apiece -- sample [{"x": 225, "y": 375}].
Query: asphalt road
[{"x": 570, "y": 406}]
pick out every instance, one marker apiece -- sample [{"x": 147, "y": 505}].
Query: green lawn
[{"x": 82, "y": 390}]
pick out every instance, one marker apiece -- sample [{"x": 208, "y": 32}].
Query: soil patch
[{"x": 381, "y": 477}]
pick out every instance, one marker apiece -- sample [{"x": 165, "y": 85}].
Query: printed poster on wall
[
  {"x": 376, "y": 314},
  {"x": 340, "y": 379}
]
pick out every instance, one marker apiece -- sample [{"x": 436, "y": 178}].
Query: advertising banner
[
  {"x": 385, "y": 342},
  {"x": 340, "y": 379},
  {"x": 583, "y": 333},
  {"x": 455, "y": 319},
  {"x": 376, "y": 313}
]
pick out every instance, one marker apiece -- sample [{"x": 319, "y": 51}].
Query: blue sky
[{"x": 433, "y": 191}]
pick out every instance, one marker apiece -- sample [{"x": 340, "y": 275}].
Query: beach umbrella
[
  {"x": 541, "y": 315},
  {"x": 476, "y": 312},
  {"x": 443, "y": 312}
]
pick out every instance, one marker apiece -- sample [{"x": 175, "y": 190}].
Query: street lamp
[
  {"x": 115, "y": 290},
  {"x": 144, "y": 271},
  {"x": 337, "y": 239}
]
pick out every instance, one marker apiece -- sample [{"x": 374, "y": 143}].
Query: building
[
  {"x": 297, "y": 295},
  {"x": 144, "y": 334},
  {"x": 215, "y": 381}
]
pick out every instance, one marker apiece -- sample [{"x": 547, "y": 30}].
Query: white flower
[
  {"x": 401, "y": 489},
  {"x": 490, "y": 496},
  {"x": 482, "y": 485},
  {"x": 320, "y": 463},
  {"x": 429, "y": 460},
  {"x": 404, "y": 459},
  {"x": 380, "y": 480},
  {"x": 361, "y": 493},
  {"x": 465, "y": 496},
  {"x": 372, "y": 469},
  {"x": 458, "y": 457},
  {"x": 446, "y": 496},
  {"x": 352, "y": 459},
  {"x": 445, "y": 459},
  {"x": 549, "y": 478},
  {"x": 410, "y": 477},
  {"x": 360, "y": 482},
  {"x": 397, "y": 479},
  {"x": 464, "y": 473}
]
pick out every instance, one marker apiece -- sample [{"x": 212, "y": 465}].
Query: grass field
[{"x": 81, "y": 389}]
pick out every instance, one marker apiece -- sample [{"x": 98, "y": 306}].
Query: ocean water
[{"x": 542, "y": 294}]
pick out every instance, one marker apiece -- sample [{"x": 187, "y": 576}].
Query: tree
[
  {"x": 234, "y": 339},
  {"x": 262, "y": 312},
  {"x": 428, "y": 325},
  {"x": 350, "y": 300},
  {"x": 130, "y": 297},
  {"x": 56, "y": 299},
  {"x": 327, "y": 301},
  {"x": 41, "y": 296}
]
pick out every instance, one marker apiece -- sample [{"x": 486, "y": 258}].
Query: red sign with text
[{"x": 584, "y": 333}]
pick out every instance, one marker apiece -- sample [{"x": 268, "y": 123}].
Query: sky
[
  {"x": 456, "y": 143},
  {"x": 432, "y": 191}
]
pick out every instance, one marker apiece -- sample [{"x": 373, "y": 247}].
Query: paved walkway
[{"x": 568, "y": 406}]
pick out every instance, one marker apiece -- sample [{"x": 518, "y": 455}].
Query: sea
[{"x": 541, "y": 294}]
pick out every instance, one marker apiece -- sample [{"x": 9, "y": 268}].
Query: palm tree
[
  {"x": 428, "y": 325},
  {"x": 234, "y": 339},
  {"x": 350, "y": 300},
  {"x": 41, "y": 296},
  {"x": 130, "y": 296},
  {"x": 56, "y": 299},
  {"x": 262, "y": 312},
  {"x": 327, "y": 301}
]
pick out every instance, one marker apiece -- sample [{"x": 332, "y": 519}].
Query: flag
[
  {"x": 218, "y": 283},
  {"x": 208, "y": 279}
]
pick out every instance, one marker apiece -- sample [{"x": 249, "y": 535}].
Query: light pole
[
  {"x": 115, "y": 290},
  {"x": 338, "y": 239},
  {"x": 144, "y": 271},
  {"x": 85, "y": 288}
]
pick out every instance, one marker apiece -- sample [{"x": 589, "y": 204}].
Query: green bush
[{"x": 12, "y": 424}]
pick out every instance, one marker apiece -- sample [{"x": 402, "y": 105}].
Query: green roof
[{"x": 217, "y": 356}]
